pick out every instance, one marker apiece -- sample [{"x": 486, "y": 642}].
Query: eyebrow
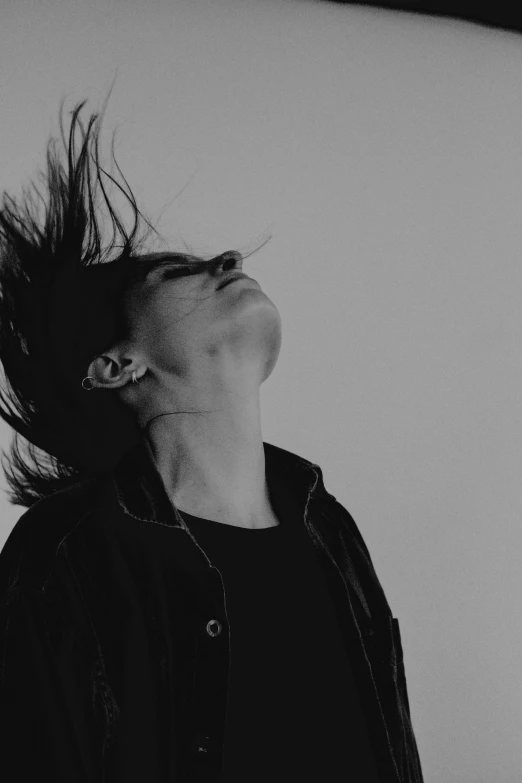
[{"x": 151, "y": 262}]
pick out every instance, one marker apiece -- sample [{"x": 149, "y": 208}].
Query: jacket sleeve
[{"x": 45, "y": 731}]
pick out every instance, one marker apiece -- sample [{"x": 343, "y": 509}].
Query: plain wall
[{"x": 383, "y": 151}]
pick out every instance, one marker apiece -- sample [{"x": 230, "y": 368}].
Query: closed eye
[
  {"x": 178, "y": 272},
  {"x": 174, "y": 273}
]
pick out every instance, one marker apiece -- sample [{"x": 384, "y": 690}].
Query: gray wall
[{"x": 384, "y": 152}]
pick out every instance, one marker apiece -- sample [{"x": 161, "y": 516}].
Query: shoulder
[{"x": 38, "y": 534}]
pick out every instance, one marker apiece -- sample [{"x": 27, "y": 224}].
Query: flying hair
[{"x": 61, "y": 287}]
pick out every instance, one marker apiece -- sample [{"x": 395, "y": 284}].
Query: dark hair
[{"x": 61, "y": 306}]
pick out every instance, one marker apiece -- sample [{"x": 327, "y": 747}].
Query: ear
[{"x": 111, "y": 371}]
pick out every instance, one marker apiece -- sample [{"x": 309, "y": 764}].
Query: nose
[{"x": 226, "y": 262}]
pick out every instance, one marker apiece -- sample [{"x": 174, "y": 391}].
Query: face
[{"x": 184, "y": 324}]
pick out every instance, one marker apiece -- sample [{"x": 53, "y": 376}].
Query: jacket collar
[{"x": 141, "y": 493}]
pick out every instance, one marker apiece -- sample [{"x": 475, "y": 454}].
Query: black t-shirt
[{"x": 293, "y": 711}]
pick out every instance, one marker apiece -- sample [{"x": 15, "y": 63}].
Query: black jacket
[{"x": 108, "y": 601}]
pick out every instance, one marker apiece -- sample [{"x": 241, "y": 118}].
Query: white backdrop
[{"x": 384, "y": 152}]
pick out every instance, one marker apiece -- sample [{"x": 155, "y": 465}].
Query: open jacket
[{"x": 63, "y": 571}]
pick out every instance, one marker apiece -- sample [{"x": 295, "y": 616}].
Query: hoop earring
[
  {"x": 90, "y": 378},
  {"x": 87, "y": 378}
]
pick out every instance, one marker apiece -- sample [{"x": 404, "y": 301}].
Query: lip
[{"x": 233, "y": 278}]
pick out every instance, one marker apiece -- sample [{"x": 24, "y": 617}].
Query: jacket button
[
  {"x": 199, "y": 744},
  {"x": 214, "y": 627}
]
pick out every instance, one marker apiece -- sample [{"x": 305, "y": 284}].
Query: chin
[{"x": 274, "y": 349}]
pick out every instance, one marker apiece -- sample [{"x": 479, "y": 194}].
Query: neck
[{"x": 213, "y": 463}]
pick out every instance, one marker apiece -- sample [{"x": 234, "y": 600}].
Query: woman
[{"x": 181, "y": 601}]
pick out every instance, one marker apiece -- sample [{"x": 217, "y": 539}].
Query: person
[{"x": 181, "y": 600}]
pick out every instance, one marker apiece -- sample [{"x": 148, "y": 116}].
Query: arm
[{"x": 44, "y": 693}]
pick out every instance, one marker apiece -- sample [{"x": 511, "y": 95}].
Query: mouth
[{"x": 234, "y": 278}]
